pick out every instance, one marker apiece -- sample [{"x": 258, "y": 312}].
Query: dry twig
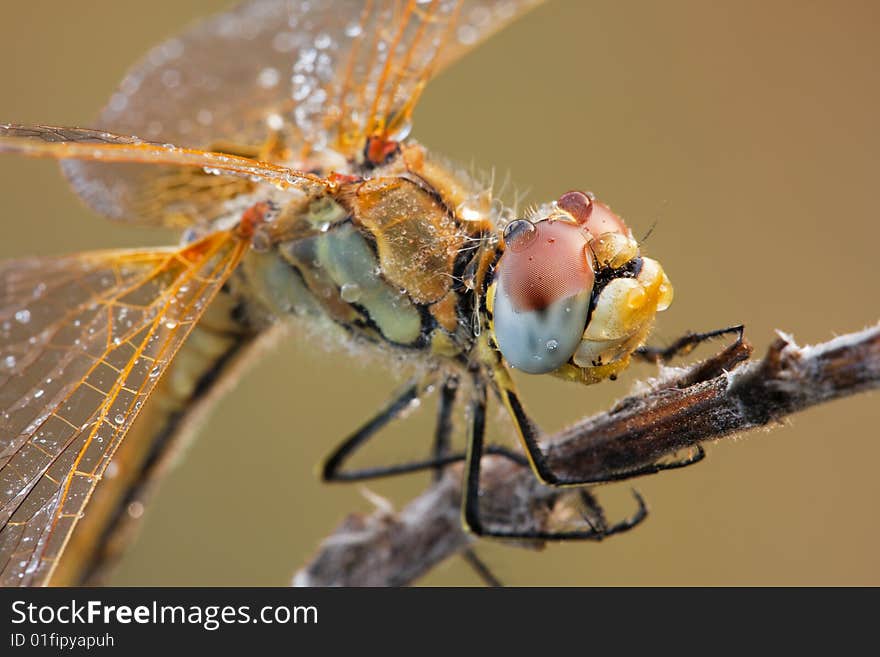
[{"x": 681, "y": 409}]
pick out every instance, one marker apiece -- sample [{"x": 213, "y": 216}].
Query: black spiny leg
[
  {"x": 685, "y": 344},
  {"x": 443, "y": 429},
  {"x": 471, "y": 493},
  {"x": 332, "y": 470},
  {"x": 442, "y": 444},
  {"x": 529, "y": 435},
  {"x": 594, "y": 515},
  {"x": 481, "y": 569}
]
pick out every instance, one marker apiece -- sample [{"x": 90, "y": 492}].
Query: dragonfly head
[{"x": 572, "y": 294}]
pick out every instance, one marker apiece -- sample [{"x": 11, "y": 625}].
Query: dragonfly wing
[
  {"x": 149, "y": 186},
  {"x": 279, "y": 80},
  {"x": 83, "y": 341}
]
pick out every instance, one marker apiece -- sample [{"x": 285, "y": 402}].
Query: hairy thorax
[{"x": 395, "y": 255}]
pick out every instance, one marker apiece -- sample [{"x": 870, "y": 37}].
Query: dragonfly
[{"x": 276, "y": 138}]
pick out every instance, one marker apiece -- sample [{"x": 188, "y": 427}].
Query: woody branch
[{"x": 722, "y": 396}]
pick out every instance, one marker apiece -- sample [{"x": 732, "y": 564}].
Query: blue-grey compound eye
[{"x": 543, "y": 285}]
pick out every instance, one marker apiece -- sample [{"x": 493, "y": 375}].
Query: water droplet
[
  {"x": 475, "y": 207},
  {"x": 205, "y": 117},
  {"x": 274, "y": 121},
  {"x": 401, "y": 132},
  {"x": 284, "y": 42},
  {"x": 120, "y": 418},
  {"x": 9, "y": 361},
  {"x": 519, "y": 234},
  {"x": 171, "y": 324},
  {"x": 268, "y": 77},
  {"x": 38, "y": 394},
  {"x": 155, "y": 372},
  {"x": 350, "y": 292},
  {"x": 323, "y": 41},
  {"x": 23, "y": 316},
  {"x": 468, "y": 35},
  {"x": 171, "y": 78},
  {"x": 552, "y": 345}
]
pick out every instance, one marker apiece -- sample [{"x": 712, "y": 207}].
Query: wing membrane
[
  {"x": 208, "y": 172},
  {"x": 283, "y": 79},
  {"x": 83, "y": 341}
]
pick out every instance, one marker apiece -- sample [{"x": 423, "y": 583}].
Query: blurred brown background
[{"x": 748, "y": 130}]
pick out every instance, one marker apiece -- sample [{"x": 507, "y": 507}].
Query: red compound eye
[
  {"x": 548, "y": 263},
  {"x": 603, "y": 220}
]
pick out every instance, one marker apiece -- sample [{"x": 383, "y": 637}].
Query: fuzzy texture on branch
[{"x": 680, "y": 409}]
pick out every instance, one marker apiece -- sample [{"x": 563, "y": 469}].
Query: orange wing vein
[
  {"x": 282, "y": 81},
  {"x": 83, "y": 341}
]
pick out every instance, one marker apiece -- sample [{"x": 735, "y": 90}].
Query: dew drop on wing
[
  {"x": 269, "y": 77},
  {"x": 350, "y": 292}
]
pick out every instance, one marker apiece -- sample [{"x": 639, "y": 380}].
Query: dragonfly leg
[
  {"x": 332, "y": 469},
  {"x": 685, "y": 344},
  {"x": 333, "y": 464},
  {"x": 529, "y": 435},
  {"x": 597, "y": 530},
  {"x": 481, "y": 569},
  {"x": 443, "y": 428},
  {"x": 442, "y": 448}
]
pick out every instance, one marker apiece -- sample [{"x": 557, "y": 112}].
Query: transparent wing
[
  {"x": 280, "y": 79},
  {"x": 83, "y": 341},
  {"x": 140, "y": 189}
]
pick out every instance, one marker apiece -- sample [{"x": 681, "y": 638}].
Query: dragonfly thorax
[{"x": 386, "y": 256}]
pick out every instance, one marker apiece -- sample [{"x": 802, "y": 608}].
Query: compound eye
[
  {"x": 543, "y": 285},
  {"x": 603, "y": 220}
]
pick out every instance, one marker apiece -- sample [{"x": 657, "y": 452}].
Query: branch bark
[{"x": 682, "y": 408}]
